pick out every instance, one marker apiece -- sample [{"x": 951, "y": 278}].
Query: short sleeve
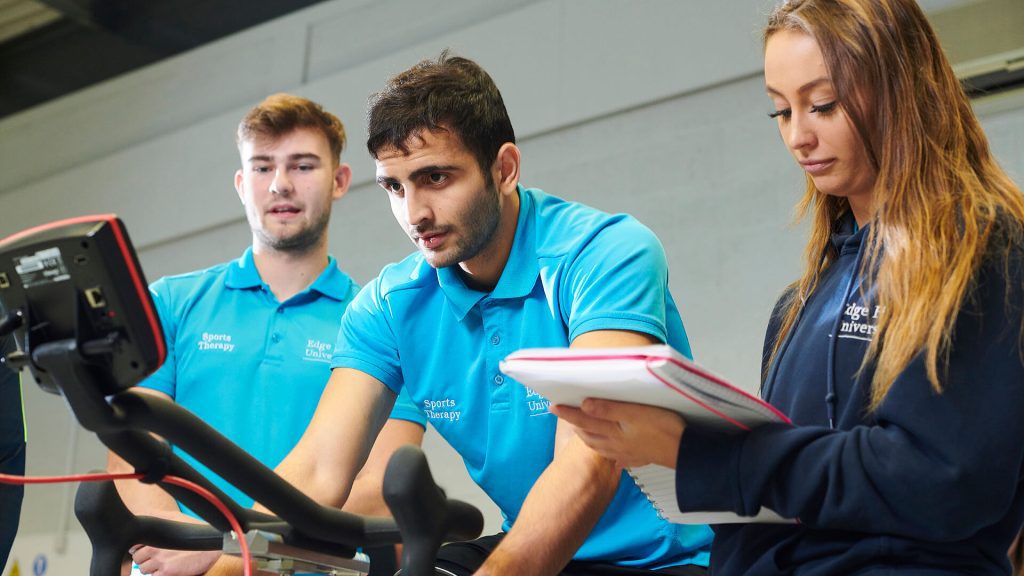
[
  {"x": 405, "y": 409},
  {"x": 165, "y": 378},
  {"x": 618, "y": 281},
  {"x": 366, "y": 340}
]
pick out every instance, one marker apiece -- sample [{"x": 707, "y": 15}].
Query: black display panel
[{"x": 79, "y": 280}]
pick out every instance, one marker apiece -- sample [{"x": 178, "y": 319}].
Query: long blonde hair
[{"x": 938, "y": 190}]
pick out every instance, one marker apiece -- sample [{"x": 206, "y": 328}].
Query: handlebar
[
  {"x": 185, "y": 430},
  {"x": 423, "y": 518},
  {"x": 423, "y": 512},
  {"x": 112, "y": 528},
  {"x": 89, "y": 331}
]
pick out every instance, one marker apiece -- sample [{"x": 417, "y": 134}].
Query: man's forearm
[
  {"x": 366, "y": 496},
  {"x": 562, "y": 508},
  {"x": 143, "y": 499},
  {"x": 352, "y": 410},
  {"x": 140, "y": 498}
]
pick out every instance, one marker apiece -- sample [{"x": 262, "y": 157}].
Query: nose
[
  {"x": 281, "y": 185},
  {"x": 417, "y": 207},
  {"x": 799, "y": 133}
]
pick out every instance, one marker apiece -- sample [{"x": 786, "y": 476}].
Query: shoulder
[
  {"x": 564, "y": 226},
  {"x": 336, "y": 282},
  {"x": 174, "y": 291},
  {"x": 1001, "y": 268},
  {"x": 771, "y": 334},
  {"x": 1006, "y": 239},
  {"x": 782, "y": 305},
  {"x": 188, "y": 279},
  {"x": 411, "y": 273}
]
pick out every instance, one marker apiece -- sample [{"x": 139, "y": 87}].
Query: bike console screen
[{"x": 78, "y": 281}]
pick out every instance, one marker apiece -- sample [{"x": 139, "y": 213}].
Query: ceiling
[{"x": 49, "y": 48}]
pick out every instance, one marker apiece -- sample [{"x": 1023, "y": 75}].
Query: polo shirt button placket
[{"x": 499, "y": 379}]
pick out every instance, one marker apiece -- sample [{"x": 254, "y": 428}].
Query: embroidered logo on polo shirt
[
  {"x": 220, "y": 342},
  {"x": 443, "y": 409},
  {"x": 536, "y": 403},
  {"x": 317, "y": 351}
]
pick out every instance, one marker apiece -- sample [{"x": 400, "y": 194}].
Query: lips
[
  {"x": 432, "y": 240},
  {"x": 283, "y": 209},
  {"x": 816, "y": 166}
]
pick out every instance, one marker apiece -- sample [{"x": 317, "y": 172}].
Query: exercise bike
[{"x": 73, "y": 294}]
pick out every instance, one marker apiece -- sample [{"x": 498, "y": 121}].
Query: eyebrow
[
  {"x": 803, "y": 89},
  {"x": 291, "y": 157},
  {"x": 420, "y": 172}
]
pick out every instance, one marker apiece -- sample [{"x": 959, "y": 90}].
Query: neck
[
  {"x": 862, "y": 208},
  {"x": 288, "y": 273},
  {"x": 483, "y": 271}
]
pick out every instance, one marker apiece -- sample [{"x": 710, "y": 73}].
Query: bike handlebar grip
[
  {"x": 423, "y": 513},
  {"x": 107, "y": 522},
  {"x": 463, "y": 521},
  {"x": 113, "y": 529},
  {"x": 417, "y": 505}
]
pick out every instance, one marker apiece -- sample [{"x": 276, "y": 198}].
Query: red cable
[{"x": 175, "y": 480}]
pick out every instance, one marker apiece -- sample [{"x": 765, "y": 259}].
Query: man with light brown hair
[{"x": 250, "y": 341}]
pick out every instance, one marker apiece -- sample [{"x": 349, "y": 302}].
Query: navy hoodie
[{"x": 928, "y": 483}]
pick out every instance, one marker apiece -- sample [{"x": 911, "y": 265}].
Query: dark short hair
[
  {"x": 280, "y": 114},
  {"x": 451, "y": 93}
]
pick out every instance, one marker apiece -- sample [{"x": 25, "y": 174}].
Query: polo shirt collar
[
  {"x": 332, "y": 282},
  {"x": 517, "y": 279},
  {"x": 242, "y": 273}
]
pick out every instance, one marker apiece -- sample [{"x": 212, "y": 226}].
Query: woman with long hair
[{"x": 898, "y": 354}]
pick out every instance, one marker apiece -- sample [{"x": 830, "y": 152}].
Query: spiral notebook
[{"x": 656, "y": 375}]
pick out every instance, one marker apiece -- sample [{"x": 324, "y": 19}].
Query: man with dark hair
[
  {"x": 500, "y": 267},
  {"x": 250, "y": 341},
  {"x": 12, "y": 451}
]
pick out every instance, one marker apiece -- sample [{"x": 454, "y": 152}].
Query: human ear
[
  {"x": 238, "y": 186},
  {"x": 506, "y": 168},
  {"x": 342, "y": 180}
]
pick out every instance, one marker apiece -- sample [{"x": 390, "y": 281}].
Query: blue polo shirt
[
  {"x": 250, "y": 366},
  {"x": 572, "y": 269}
]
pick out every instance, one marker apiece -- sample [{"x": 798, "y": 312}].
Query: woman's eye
[
  {"x": 785, "y": 113},
  {"x": 824, "y": 109}
]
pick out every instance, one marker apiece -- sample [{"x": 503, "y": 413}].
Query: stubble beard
[
  {"x": 480, "y": 225},
  {"x": 300, "y": 242}
]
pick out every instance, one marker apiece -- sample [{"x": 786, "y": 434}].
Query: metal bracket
[{"x": 273, "y": 555}]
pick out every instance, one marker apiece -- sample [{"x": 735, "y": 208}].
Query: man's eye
[
  {"x": 391, "y": 187},
  {"x": 438, "y": 178},
  {"x": 261, "y": 169},
  {"x": 305, "y": 167}
]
